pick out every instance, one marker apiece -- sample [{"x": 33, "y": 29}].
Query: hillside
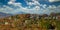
[{"x": 30, "y": 22}]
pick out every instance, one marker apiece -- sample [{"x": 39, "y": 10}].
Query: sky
[{"x": 29, "y": 6}]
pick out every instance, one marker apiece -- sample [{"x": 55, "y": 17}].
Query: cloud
[
  {"x": 35, "y": 10},
  {"x": 53, "y": 0},
  {"x": 11, "y": 1},
  {"x": 33, "y": 2}
]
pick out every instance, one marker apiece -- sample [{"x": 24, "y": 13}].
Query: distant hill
[
  {"x": 4, "y": 14},
  {"x": 22, "y": 14}
]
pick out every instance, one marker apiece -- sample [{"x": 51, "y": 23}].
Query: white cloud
[
  {"x": 11, "y": 1},
  {"x": 35, "y": 10},
  {"x": 44, "y": 6},
  {"x": 53, "y": 8},
  {"x": 53, "y": 0},
  {"x": 34, "y": 2}
]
